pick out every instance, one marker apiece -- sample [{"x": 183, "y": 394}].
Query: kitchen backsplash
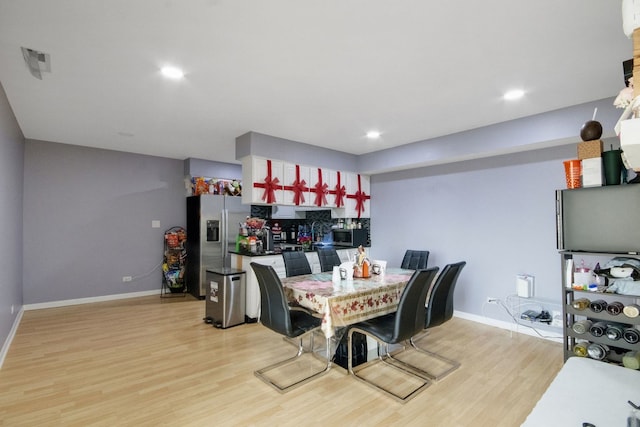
[{"x": 321, "y": 218}]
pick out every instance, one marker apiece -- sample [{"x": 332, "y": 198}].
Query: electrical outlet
[
  {"x": 126, "y": 278},
  {"x": 492, "y": 300}
]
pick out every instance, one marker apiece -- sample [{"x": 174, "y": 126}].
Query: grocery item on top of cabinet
[{"x": 199, "y": 185}]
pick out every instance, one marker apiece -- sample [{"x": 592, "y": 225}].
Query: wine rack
[{"x": 573, "y": 312}]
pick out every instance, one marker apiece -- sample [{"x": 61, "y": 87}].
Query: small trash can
[{"x": 225, "y": 299}]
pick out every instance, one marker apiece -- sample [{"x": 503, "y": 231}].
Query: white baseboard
[
  {"x": 510, "y": 326},
  {"x": 12, "y": 334},
  {"x": 63, "y": 303}
]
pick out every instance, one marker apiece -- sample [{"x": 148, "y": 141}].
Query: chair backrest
[
  {"x": 328, "y": 259},
  {"x": 274, "y": 309},
  {"x": 296, "y": 263},
  {"x": 409, "y": 319},
  {"x": 415, "y": 260},
  {"x": 440, "y": 304}
]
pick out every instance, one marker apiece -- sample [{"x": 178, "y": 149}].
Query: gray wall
[
  {"x": 87, "y": 220},
  {"x": 11, "y": 173},
  {"x": 258, "y": 144},
  {"x": 497, "y": 214},
  {"x": 211, "y": 169}
]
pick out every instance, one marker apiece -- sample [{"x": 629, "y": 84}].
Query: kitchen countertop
[
  {"x": 269, "y": 253},
  {"x": 250, "y": 254}
]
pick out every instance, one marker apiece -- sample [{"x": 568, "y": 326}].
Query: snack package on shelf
[{"x": 199, "y": 185}]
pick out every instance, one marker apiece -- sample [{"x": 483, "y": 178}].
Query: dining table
[{"x": 343, "y": 302}]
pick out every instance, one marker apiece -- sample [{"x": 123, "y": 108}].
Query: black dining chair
[
  {"x": 296, "y": 263},
  {"x": 328, "y": 259},
  {"x": 439, "y": 311},
  {"x": 396, "y": 328},
  {"x": 415, "y": 260},
  {"x": 277, "y": 315}
]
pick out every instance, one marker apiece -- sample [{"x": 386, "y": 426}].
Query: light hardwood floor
[{"x": 152, "y": 362}]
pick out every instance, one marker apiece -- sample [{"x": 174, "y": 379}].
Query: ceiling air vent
[{"x": 37, "y": 62}]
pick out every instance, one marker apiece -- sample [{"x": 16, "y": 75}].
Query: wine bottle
[
  {"x": 598, "y": 329},
  {"x": 580, "y": 303},
  {"x": 615, "y": 308},
  {"x": 598, "y": 305},
  {"x": 631, "y": 310},
  {"x": 631, "y": 335},
  {"x": 597, "y": 351},
  {"x": 631, "y": 360},
  {"x": 581, "y": 326},
  {"x": 580, "y": 349},
  {"x": 614, "y": 332}
]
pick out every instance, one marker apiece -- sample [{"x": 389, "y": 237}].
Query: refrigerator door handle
[{"x": 225, "y": 236}]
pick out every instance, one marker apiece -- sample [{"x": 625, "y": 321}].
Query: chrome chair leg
[
  {"x": 453, "y": 363},
  {"x": 262, "y": 373},
  {"x": 424, "y": 382},
  {"x": 436, "y": 377}
]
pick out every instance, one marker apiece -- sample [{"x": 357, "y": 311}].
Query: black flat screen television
[{"x": 599, "y": 219}]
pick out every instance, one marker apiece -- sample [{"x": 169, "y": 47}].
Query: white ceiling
[{"x": 319, "y": 72}]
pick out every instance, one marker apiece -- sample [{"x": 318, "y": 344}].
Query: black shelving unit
[
  {"x": 173, "y": 264},
  {"x": 572, "y": 315}
]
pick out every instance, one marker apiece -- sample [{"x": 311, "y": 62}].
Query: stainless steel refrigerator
[{"x": 212, "y": 226}]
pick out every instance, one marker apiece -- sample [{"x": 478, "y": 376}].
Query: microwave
[{"x": 350, "y": 237}]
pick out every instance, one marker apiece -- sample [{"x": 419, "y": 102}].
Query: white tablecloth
[
  {"x": 586, "y": 390},
  {"x": 347, "y": 301}
]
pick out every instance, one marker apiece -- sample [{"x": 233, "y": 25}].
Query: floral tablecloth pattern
[{"x": 347, "y": 301}]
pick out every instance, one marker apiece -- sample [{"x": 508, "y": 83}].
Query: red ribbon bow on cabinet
[
  {"x": 299, "y": 187},
  {"x": 360, "y": 197},
  {"x": 340, "y": 192},
  {"x": 270, "y": 186},
  {"x": 321, "y": 190}
]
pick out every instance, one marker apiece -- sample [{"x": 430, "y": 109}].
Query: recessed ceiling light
[
  {"x": 513, "y": 94},
  {"x": 373, "y": 134},
  {"x": 172, "y": 72}
]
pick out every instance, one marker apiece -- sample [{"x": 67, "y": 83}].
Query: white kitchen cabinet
[
  {"x": 337, "y": 188},
  {"x": 358, "y": 199},
  {"x": 274, "y": 182},
  {"x": 252, "y": 292},
  {"x": 296, "y": 184},
  {"x": 262, "y": 181},
  {"x": 320, "y": 187}
]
